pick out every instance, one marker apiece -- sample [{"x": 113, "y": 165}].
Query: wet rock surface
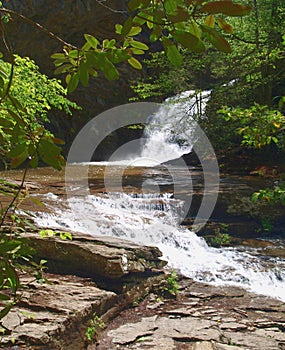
[{"x": 202, "y": 317}]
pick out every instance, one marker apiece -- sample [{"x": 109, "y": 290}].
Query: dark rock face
[{"x": 70, "y": 20}]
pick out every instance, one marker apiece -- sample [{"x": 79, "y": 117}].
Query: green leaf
[
  {"x": 73, "y": 82},
  {"x": 74, "y": 54},
  {"x": 133, "y": 5},
  {"x": 63, "y": 68},
  {"x": 134, "y": 31},
  {"x": 174, "y": 55},
  {"x": 170, "y": 6},
  {"x": 65, "y": 235},
  {"x": 91, "y": 40},
  {"x": 16, "y": 117},
  {"x": 194, "y": 29},
  {"x": 34, "y": 161},
  {"x": 127, "y": 26},
  {"x": 50, "y": 153},
  {"x": 225, "y": 26},
  {"x": 36, "y": 201},
  {"x": 156, "y": 33},
  {"x": 16, "y": 161},
  {"x": 58, "y": 56},
  {"x": 216, "y": 39},
  {"x": 109, "y": 70},
  {"x": 139, "y": 20},
  {"x": 12, "y": 277},
  {"x": 95, "y": 59},
  {"x": 4, "y": 297},
  {"x": 226, "y": 7},
  {"x": 118, "y": 28},
  {"x": 9, "y": 246},
  {"x": 255, "y": 196},
  {"x": 17, "y": 104},
  {"x": 17, "y": 150},
  {"x": 138, "y": 45},
  {"x": 118, "y": 55},
  {"x": 5, "y": 310},
  {"x": 135, "y": 63},
  {"x": 186, "y": 39},
  {"x": 210, "y": 21},
  {"x": 83, "y": 73},
  {"x": 7, "y": 123},
  {"x": 181, "y": 16},
  {"x": 137, "y": 51},
  {"x": 111, "y": 43}
]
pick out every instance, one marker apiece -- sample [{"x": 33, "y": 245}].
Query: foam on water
[{"x": 151, "y": 220}]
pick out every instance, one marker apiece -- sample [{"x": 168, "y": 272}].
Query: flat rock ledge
[
  {"x": 111, "y": 262},
  {"x": 202, "y": 317},
  {"x": 87, "y": 277}
]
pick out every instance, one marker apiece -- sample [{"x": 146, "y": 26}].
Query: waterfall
[
  {"x": 169, "y": 134},
  {"x": 171, "y": 130}
]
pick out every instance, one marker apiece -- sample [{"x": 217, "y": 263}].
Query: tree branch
[{"x": 38, "y": 26}]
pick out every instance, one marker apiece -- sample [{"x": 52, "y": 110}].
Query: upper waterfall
[{"x": 170, "y": 133}]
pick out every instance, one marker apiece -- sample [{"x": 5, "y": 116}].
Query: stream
[{"x": 145, "y": 200}]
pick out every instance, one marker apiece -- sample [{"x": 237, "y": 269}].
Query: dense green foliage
[{"x": 26, "y": 101}]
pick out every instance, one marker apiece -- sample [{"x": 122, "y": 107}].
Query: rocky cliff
[{"x": 70, "y": 20}]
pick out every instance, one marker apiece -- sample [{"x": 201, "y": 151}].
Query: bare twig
[
  {"x": 102, "y": 3},
  {"x": 38, "y": 26}
]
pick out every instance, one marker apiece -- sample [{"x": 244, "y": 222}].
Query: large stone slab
[{"x": 100, "y": 257}]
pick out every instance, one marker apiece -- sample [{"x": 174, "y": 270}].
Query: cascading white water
[
  {"x": 151, "y": 220},
  {"x": 171, "y": 130}
]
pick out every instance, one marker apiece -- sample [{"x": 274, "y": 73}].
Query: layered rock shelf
[
  {"x": 111, "y": 288},
  {"x": 54, "y": 313},
  {"x": 202, "y": 317}
]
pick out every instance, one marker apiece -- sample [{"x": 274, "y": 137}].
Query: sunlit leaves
[
  {"x": 96, "y": 56},
  {"x": 50, "y": 233},
  {"x": 258, "y": 126},
  {"x": 91, "y": 40},
  {"x": 270, "y": 196},
  {"x": 135, "y": 63},
  {"x": 23, "y": 112}
]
